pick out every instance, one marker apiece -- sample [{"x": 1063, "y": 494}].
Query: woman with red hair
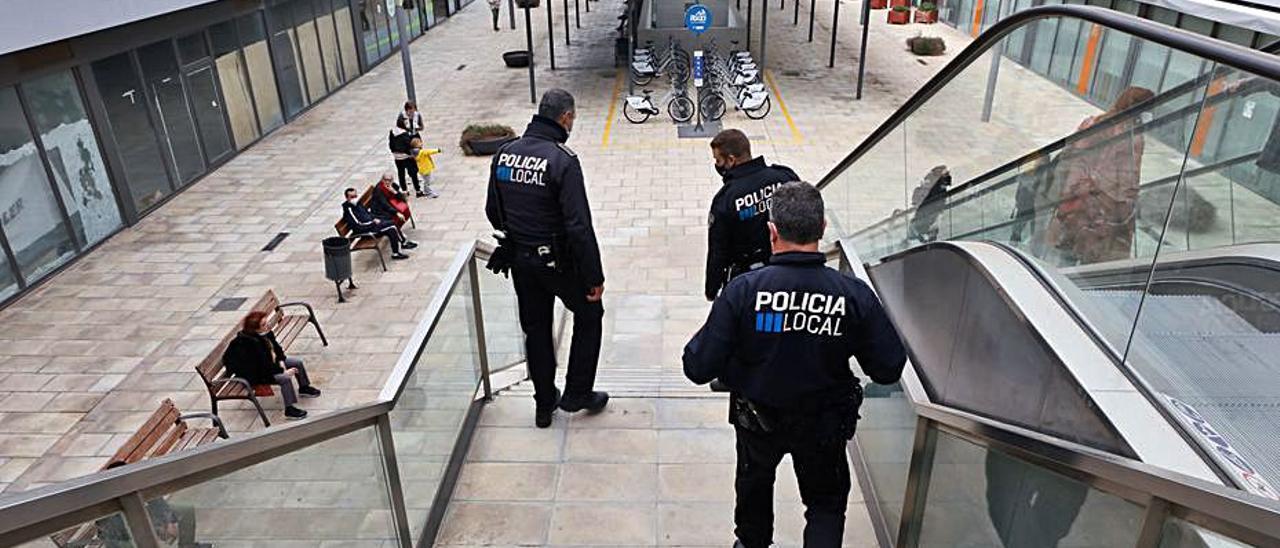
[{"x": 256, "y": 356}]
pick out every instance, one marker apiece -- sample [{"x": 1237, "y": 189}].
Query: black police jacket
[
  {"x": 543, "y": 196},
  {"x": 739, "y": 222},
  {"x": 783, "y": 334}
]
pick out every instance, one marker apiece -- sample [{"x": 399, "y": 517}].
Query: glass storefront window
[
  {"x": 207, "y": 107},
  {"x": 284, "y": 50},
  {"x": 177, "y": 129},
  {"x": 309, "y": 50},
  {"x": 135, "y": 139},
  {"x": 328, "y": 47},
  {"x": 29, "y": 213},
  {"x": 257, "y": 56},
  {"x": 346, "y": 37},
  {"x": 74, "y": 157},
  {"x": 235, "y": 84},
  {"x": 8, "y": 282}
]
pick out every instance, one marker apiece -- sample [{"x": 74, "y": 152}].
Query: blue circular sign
[{"x": 697, "y": 18}]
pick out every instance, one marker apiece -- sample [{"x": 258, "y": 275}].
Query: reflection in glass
[
  {"x": 253, "y": 36},
  {"x": 8, "y": 281},
  {"x": 208, "y": 111},
  {"x": 284, "y": 46},
  {"x": 235, "y": 84},
  {"x": 29, "y": 213},
  {"x": 981, "y": 497},
  {"x": 334, "y": 492},
  {"x": 135, "y": 139},
  {"x": 1178, "y": 533},
  {"x": 309, "y": 50},
  {"x": 109, "y": 531},
  {"x": 431, "y": 409},
  {"x": 74, "y": 157},
  {"x": 177, "y": 130},
  {"x": 885, "y": 436}
]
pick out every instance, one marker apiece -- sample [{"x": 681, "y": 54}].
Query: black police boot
[
  {"x": 719, "y": 386},
  {"x": 591, "y": 401},
  {"x": 542, "y": 416}
]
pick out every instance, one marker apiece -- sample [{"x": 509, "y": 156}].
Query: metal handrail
[
  {"x": 1220, "y": 52},
  {"x": 47, "y": 510}
]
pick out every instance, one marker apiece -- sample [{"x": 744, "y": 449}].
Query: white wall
[{"x": 27, "y": 23}]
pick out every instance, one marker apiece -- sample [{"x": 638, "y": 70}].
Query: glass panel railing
[
  {"x": 109, "y": 530},
  {"x": 885, "y": 435},
  {"x": 1179, "y": 533},
  {"x": 979, "y": 496},
  {"x": 503, "y": 337},
  {"x": 333, "y": 492},
  {"x": 437, "y": 395}
]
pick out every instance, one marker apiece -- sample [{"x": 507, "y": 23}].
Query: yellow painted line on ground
[
  {"x": 613, "y": 105},
  {"x": 782, "y": 105}
]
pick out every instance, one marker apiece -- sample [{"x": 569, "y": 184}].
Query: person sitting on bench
[
  {"x": 362, "y": 222},
  {"x": 255, "y": 356},
  {"x": 387, "y": 203}
]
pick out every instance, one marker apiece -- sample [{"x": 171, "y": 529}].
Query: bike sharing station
[{"x": 690, "y": 57}]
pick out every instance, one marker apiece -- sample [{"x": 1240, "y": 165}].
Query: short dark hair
[
  {"x": 796, "y": 210},
  {"x": 732, "y": 142},
  {"x": 347, "y": 191},
  {"x": 410, "y": 105},
  {"x": 555, "y": 103}
]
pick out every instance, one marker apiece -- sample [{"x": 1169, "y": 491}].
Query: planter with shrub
[
  {"x": 485, "y": 139},
  {"x": 927, "y": 14},
  {"x": 517, "y": 59},
  {"x": 926, "y": 45},
  {"x": 879, "y": 4},
  {"x": 896, "y": 3},
  {"x": 899, "y": 15}
]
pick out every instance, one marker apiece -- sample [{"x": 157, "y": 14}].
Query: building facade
[{"x": 99, "y": 129}]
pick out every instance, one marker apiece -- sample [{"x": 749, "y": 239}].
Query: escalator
[{"x": 1098, "y": 267}]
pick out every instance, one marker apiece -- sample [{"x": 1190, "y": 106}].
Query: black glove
[{"x": 500, "y": 260}]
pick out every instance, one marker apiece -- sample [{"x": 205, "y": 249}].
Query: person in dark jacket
[
  {"x": 538, "y": 201},
  {"x": 362, "y": 222},
  {"x": 738, "y": 235},
  {"x": 406, "y": 158},
  {"x": 256, "y": 356},
  {"x": 388, "y": 204},
  {"x": 781, "y": 337}
]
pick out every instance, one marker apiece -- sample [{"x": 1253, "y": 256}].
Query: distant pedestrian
[
  {"x": 929, "y": 198},
  {"x": 410, "y": 119},
  {"x": 426, "y": 166},
  {"x": 494, "y": 5},
  {"x": 400, "y": 142}
]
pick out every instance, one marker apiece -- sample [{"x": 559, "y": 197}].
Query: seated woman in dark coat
[{"x": 255, "y": 356}]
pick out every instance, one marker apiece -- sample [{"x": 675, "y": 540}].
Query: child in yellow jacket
[{"x": 425, "y": 166}]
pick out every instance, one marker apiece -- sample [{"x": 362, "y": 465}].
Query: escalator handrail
[{"x": 1222, "y": 53}]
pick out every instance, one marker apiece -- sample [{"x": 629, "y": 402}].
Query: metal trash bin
[{"x": 337, "y": 263}]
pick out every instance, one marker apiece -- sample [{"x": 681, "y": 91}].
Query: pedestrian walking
[
  {"x": 494, "y": 6},
  {"x": 781, "y": 337},
  {"x": 538, "y": 204}
]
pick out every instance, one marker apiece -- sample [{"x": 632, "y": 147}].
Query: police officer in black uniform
[
  {"x": 781, "y": 337},
  {"x": 738, "y": 235},
  {"x": 538, "y": 203}
]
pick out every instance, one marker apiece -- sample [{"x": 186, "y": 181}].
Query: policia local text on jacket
[
  {"x": 538, "y": 198},
  {"x": 781, "y": 337},
  {"x": 738, "y": 236}
]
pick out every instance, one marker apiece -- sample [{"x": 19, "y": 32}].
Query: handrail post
[
  {"x": 138, "y": 521},
  {"x": 391, "y": 474},
  {"x": 482, "y": 347},
  {"x": 919, "y": 474}
]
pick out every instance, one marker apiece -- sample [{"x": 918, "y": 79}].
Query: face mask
[
  {"x": 264, "y": 333},
  {"x": 721, "y": 170},
  {"x": 352, "y": 201},
  {"x": 1147, "y": 117}
]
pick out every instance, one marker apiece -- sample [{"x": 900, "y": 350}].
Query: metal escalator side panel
[{"x": 987, "y": 337}]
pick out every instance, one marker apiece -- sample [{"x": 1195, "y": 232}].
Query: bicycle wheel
[
  {"x": 632, "y": 115},
  {"x": 641, "y": 79},
  {"x": 712, "y": 107},
  {"x": 761, "y": 111},
  {"x": 680, "y": 108}
]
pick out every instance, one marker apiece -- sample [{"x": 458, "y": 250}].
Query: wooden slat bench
[
  {"x": 365, "y": 243},
  {"x": 219, "y": 382},
  {"x": 165, "y": 432}
]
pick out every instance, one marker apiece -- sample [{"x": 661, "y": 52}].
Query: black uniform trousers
[
  {"x": 822, "y": 472},
  {"x": 410, "y": 166},
  {"x": 537, "y": 287}
]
